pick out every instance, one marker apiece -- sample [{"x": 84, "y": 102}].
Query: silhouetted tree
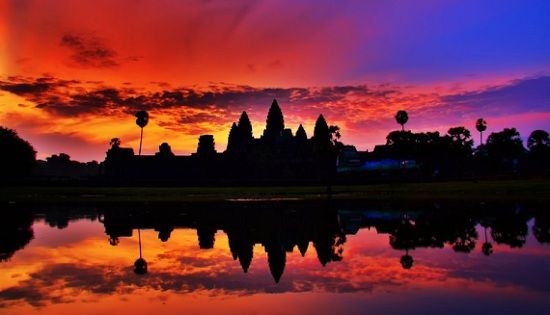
[
  {"x": 481, "y": 126},
  {"x": 431, "y": 152},
  {"x": 538, "y": 140},
  {"x": 329, "y": 248},
  {"x": 539, "y": 151},
  {"x": 460, "y": 148},
  {"x": 62, "y": 158},
  {"x": 505, "y": 148},
  {"x": 164, "y": 232},
  {"x": 15, "y": 232},
  {"x": 461, "y": 139},
  {"x": 18, "y": 156},
  {"x": 402, "y": 117},
  {"x": 142, "y": 119},
  {"x": 402, "y": 144},
  {"x": 335, "y": 135},
  {"x": 406, "y": 260},
  {"x": 510, "y": 227},
  {"x": 275, "y": 122},
  {"x": 115, "y": 143}
]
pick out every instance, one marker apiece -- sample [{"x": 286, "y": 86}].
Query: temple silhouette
[{"x": 277, "y": 156}]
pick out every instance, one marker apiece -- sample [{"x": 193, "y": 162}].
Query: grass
[{"x": 538, "y": 190}]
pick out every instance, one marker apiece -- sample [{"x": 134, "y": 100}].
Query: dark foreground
[
  {"x": 337, "y": 257},
  {"x": 537, "y": 189}
]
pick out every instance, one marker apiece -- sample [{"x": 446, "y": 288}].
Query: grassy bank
[{"x": 464, "y": 190}]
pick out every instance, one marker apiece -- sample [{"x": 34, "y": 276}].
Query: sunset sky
[{"x": 72, "y": 73}]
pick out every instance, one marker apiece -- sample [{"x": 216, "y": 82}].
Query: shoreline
[{"x": 496, "y": 190}]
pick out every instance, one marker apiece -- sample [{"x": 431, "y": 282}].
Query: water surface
[{"x": 277, "y": 258}]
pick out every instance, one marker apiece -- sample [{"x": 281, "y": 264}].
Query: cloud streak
[
  {"x": 89, "y": 51},
  {"x": 361, "y": 111}
]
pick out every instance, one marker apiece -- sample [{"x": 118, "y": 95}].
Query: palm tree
[
  {"x": 481, "y": 126},
  {"x": 402, "y": 117},
  {"x": 142, "y": 118}
]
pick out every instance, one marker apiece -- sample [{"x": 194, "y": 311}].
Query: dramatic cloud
[
  {"x": 525, "y": 95},
  {"x": 89, "y": 51},
  {"x": 364, "y": 113}
]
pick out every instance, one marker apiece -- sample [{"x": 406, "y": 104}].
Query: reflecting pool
[{"x": 277, "y": 258}]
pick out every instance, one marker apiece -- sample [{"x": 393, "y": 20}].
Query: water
[{"x": 278, "y": 258}]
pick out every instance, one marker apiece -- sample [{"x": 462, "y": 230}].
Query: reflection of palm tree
[
  {"x": 486, "y": 248},
  {"x": 142, "y": 119},
  {"x": 140, "y": 266},
  {"x": 407, "y": 260},
  {"x": 481, "y": 126},
  {"x": 402, "y": 117}
]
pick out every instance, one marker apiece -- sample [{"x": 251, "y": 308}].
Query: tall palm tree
[
  {"x": 481, "y": 126},
  {"x": 402, "y": 117},
  {"x": 142, "y": 119}
]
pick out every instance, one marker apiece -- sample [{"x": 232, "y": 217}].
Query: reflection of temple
[
  {"x": 280, "y": 228},
  {"x": 279, "y": 231}
]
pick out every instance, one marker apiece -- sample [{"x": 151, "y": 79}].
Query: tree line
[{"x": 280, "y": 155}]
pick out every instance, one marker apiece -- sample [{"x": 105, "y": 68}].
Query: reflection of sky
[
  {"x": 439, "y": 59},
  {"x": 76, "y": 270}
]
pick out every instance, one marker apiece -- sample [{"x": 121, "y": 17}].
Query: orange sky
[{"x": 343, "y": 60}]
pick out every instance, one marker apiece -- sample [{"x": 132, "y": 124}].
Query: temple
[{"x": 278, "y": 156}]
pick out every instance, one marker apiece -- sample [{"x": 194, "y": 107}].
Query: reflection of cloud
[
  {"x": 63, "y": 282},
  {"x": 512, "y": 269},
  {"x": 193, "y": 272}
]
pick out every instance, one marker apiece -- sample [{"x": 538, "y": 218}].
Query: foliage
[
  {"x": 18, "y": 156},
  {"x": 505, "y": 145},
  {"x": 481, "y": 125},
  {"x": 142, "y": 118},
  {"x": 539, "y": 140},
  {"x": 402, "y": 117},
  {"x": 115, "y": 143}
]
